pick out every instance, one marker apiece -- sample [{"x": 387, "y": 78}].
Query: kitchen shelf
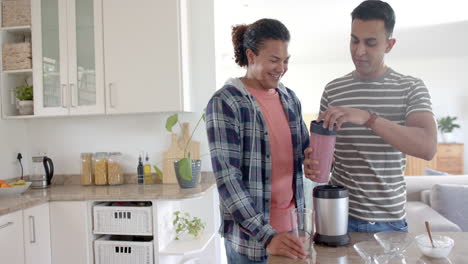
[
  {"x": 19, "y": 117},
  {"x": 18, "y": 71},
  {"x": 18, "y": 29},
  {"x": 188, "y": 246}
]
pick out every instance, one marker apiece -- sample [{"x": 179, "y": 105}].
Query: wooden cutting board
[{"x": 176, "y": 151}]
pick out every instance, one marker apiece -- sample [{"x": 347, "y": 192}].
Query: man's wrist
[{"x": 370, "y": 122}]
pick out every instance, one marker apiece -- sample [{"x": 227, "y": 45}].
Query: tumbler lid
[
  {"x": 317, "y": 128},
  {"x": 330, "y": 192}
]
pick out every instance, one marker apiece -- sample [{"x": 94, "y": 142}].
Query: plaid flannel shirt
[{"x": 245, "y": 198}]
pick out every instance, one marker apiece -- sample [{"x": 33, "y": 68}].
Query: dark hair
[
  {"x": 253, "y": 36},
  {"x": 375, "y": 9}
]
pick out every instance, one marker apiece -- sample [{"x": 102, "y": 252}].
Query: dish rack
[{"x": 124, "y": 233}]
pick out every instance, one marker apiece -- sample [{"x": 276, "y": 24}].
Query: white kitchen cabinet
[
  {"x": 142, "y": 56},
  {"x": 11, "y": 238},
  {"x": 37, "y": 235},
  {"x": 70, "y": 237},
  {"x": 67, "y": 57}
]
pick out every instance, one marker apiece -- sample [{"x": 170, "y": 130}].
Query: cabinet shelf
[
  {"x": 18, "y": 29},
  {"x": 187, "y": 247},
  {"x": 17, "y": 71}
]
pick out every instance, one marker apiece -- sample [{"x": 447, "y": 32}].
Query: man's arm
[{"x": 418, "y": 138}]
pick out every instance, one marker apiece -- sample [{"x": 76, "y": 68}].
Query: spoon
[{"x": 428, "y": 229}]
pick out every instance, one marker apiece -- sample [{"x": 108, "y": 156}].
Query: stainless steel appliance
[
  {"x": 42, "y": 172},
  {"x": 331, "y": 215}
]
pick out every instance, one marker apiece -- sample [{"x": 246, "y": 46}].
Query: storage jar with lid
[
  {"x": 100, "y": 168},
  {"x": 87, "y": 173},
  {"x": 114, "y": 168}
]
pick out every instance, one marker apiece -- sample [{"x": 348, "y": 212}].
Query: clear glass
[
  {"x": 114, "y": 168},
  {"x": 371, "y": 251},
  {"x": 87, "y": 173},
  {"x": 302, "y": 225},
  {"x": 100, "y": 168},
  {"x": 52, "y": 93},
  {"x": 86, "y": 63},
  {"x": 395, "y": 244}
]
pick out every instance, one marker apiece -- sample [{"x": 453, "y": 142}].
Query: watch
[{"x": 371, "y": 120}]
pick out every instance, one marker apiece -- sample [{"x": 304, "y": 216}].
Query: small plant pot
[
  {"x": 26, "y": 107},
  {"x": 447, "y": 138},
  {"x": 183, "y": 183}
]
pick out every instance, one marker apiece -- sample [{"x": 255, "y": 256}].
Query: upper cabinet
[
  {"x": 117, "y": 57},
  {"x": 142, "y": 56},
  {"x": 67, "y": 57}
]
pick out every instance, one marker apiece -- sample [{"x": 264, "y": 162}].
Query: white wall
[
  {"x": 12, "y": 141},
  {"x": 63, "y": 139}
]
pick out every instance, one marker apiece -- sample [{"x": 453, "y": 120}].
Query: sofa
[{"x": 441, "y": 200}]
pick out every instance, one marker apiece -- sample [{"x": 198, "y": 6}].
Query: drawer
[
  {"x": 450, "y": 150},
  {"x": 118, "y": 249},
  {"x": 123, "y": 220},
  {"x": 450, "y": 165}
]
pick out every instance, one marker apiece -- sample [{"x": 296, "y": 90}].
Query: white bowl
[
  {"x": 14, "y": 190},
  {"x": 443, "y": 245}
]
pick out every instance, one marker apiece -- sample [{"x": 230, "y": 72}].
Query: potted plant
[
  {"x": 187, "y": 171},
  {"x": 446, "y": 126},
  {"x": 185, "y": 223},
  {"x": 24, "y": 96}
]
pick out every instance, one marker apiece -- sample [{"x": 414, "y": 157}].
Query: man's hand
[
  {"x": 309, "y": 172},
  {"x": 288, "y": 245},
  {"x": 341, "y": 115}
]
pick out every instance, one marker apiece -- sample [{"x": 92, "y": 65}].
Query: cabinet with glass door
[{"x": 67, "y": 56}]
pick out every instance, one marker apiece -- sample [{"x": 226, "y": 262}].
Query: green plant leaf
[
  {"x": 171, "y": 121},
  {"x": 158, "y": 172},
  {"x": 185, "y": 169}
]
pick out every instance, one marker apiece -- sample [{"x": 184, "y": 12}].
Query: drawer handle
[
  {"x": 32, "y": 230},
  {"x": 126, "y": 250},
  {"x": 5, "y": 225},
  {"x": 122, "y": 215}
]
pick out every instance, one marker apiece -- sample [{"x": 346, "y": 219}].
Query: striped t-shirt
[{"x": 370, "y": 168}]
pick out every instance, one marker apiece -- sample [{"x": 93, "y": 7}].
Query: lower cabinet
[
  {"x": 37, "y": 235},
  {"x": 11, "y": 238},
  {"x": 69, "y": 232}
]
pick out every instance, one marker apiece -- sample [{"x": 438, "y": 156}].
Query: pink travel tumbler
[{"x": 322, "y": 142}]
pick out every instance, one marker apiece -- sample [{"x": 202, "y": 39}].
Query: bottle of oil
[
  {"x": 140, "y": 173},
  {"x": 147, "y": 170}
]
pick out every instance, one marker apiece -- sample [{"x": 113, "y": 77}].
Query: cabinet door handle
[
  {"x": 32, "y": 230},
  {"x": 73, "y": 94},
  {"x": 64, "y": 90},
  {"x": 6, "y": 225},
  {"x": 111, "y": 95}
]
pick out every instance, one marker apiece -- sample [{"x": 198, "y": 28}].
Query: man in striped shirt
[{"x": 381, "y": 115}]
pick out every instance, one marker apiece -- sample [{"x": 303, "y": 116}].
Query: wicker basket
[
  {"x": 17, "y": 56},
  {"x": 109, "y": 251},
  {"x": 123, "y": 220},
  {"x": 16, "y": 13}
]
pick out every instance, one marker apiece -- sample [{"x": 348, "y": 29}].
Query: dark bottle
[{"x": 140, "y": 175}]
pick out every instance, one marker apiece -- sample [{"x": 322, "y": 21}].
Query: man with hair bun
[{"x": 257, "y": 138}]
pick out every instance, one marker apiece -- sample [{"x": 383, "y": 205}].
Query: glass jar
[
  {"x": 100, "y": 168},
  {"x": 114, "y": 168},
  {"x": 87, "y": 173}
]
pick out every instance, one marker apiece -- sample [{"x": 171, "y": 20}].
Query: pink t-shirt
[{"x": 282, "y": 196}]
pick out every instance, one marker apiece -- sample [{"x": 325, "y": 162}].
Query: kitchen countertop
[
  {"x": 347, "y": 254},
  {"x": 125, "y": 192}
]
